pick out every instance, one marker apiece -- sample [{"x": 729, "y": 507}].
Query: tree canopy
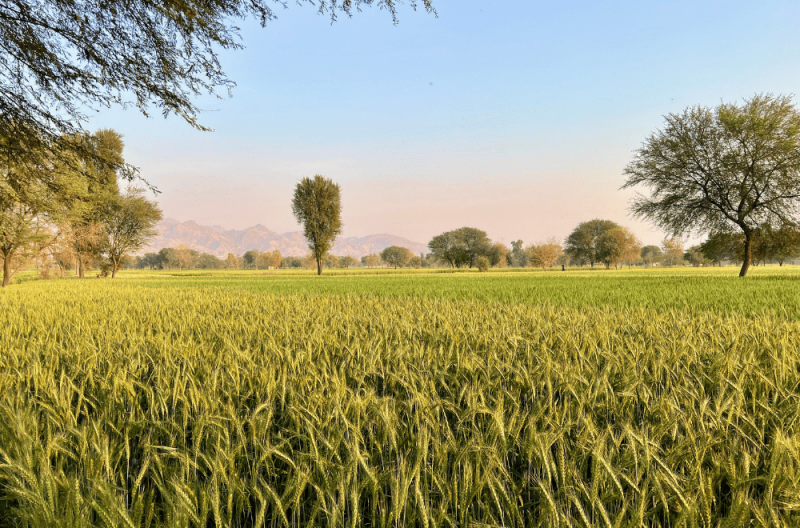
[
  {"x": 396, "y": 256},
  {"x": 735, "y": 166},
  {"x": 317, "y": 205},
  {"x": 461, "y": 246},
  {"x": 582, "y": 244}
]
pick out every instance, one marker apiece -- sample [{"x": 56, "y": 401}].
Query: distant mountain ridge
[{"x": 220, "y": 241}]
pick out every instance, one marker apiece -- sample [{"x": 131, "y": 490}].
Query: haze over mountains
[{"x": 220, "y": 241}]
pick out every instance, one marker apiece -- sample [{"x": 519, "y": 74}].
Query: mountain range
[{"x": 220, "y": 241}]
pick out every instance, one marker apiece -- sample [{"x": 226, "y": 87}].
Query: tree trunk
[
  {"x": 113, "y": 268},
  {"x": 748, "y": 253},
  {"x": 81, "y": 270},
  {"x": 6, "y": 270},
  {"x": 319, "y": 266}
]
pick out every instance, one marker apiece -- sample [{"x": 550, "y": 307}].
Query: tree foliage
[
  {"x": 397, "y": 256},
  {"x": 461, "y": 247},
  {"x": 61, "y": 59},
  {"x": 317, "y": 205},
  {"x": 129, "y": 225},
  {"x": 617, "y": 246},
  {"x": 650, "y": 255},
  {"x": 735, "y": 166},
  {"x": 582, "y": 244},
  {"x": 545, "y": 254}
]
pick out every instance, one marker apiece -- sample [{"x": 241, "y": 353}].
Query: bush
[{"x": 482, "y": 263}]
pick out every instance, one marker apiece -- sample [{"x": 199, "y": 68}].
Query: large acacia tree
[
  {"x": 317, "y": 204},
  {"x": 733, "y": 167}
]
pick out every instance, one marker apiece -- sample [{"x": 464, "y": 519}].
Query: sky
[{"x": 517, "y": 117}]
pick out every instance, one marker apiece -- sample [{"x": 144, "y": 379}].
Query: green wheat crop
[{"x": 128, "y": 406}]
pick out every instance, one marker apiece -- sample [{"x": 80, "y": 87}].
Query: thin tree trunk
[
  {"x": 748, "y": 251},
  {"x": 6, "y": 269},
  {"x": 113, "y": 268},
  {"x": 319, "y": 266},
  {"x": 81, "y": 270}
]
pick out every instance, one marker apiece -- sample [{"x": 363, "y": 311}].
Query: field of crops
[{"x": 621, "y": 399}]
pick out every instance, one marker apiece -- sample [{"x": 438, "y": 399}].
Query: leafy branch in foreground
[{"x": 62, "y": 59}]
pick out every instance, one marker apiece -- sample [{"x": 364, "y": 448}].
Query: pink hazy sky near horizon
[{"x": 515, "y": 117}]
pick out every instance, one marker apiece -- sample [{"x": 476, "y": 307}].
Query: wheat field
[{"x": 128, "y": 405}]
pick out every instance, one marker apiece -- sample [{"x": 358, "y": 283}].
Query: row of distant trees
[
  {"x": 183, "y": 257},
  {"x": 606, "y": 243},
  {"x": 595, "y": 242}
]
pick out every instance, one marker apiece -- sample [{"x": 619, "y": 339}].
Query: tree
[
  {"x": 347, "y": 262},
  {"x": 396, "y": 256},
  {"x": 461, "y": 246},
  {"x": 231, "y": 262},
  {"x": 209, "y": 261},
  {"x": 181, "y": 256},
  {"x": 292, "y": 262},
  {"x": 581, "y": 244},
  {"x": 518, "y": 257},
  {"x": 331, "y": 261},
  {"x": 129, "y": 225},
  {"x": 673, "y": 251},
  {"x": 63, "y": 59},
  {"x": 371, "y": 260},
  {"x": 720, "y": 246},
  {"x": 94, "y": 168},
  {"x": 415, "y": 262},
  {"x": 499, "y": 255},
  {"x": 730, "y": 167},
  {"x": 782, "y": 243},
  {"x": 24, "y": 235},
  {"x": 446, "y": 248},
  {"x": 474, "y": 242},
  {"x": 317, "y": 205},
  {"x": 545, "y": 254},
  {"x": 275, "y": 259},
  {"x": 617, "y": 246},
  {"x": 310, "y": 262},
  {"x": 650, "y": 255},
  {"x": 695, "y": 257},
  {"x": 250, "y": 258},
  {"x": 31, "y": 215}
]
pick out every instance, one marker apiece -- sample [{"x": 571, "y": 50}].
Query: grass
[
  {"x": 500, "y": 399},
  {"x": 770, "y": 289}
]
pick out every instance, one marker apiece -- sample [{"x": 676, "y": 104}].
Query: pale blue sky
[{"x": 516, "y": 117}]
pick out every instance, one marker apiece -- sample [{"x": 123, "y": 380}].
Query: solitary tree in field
[
  {"x": 396, "y": 256},
  {"x": 735, "y": 166},
  {"x": 581, "y": 244},
  {"x": 317, "y": 205},
  {"x": 129, "y": 224}
]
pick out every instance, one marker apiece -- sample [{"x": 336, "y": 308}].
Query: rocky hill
[{"x": 220, "y": 241}]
